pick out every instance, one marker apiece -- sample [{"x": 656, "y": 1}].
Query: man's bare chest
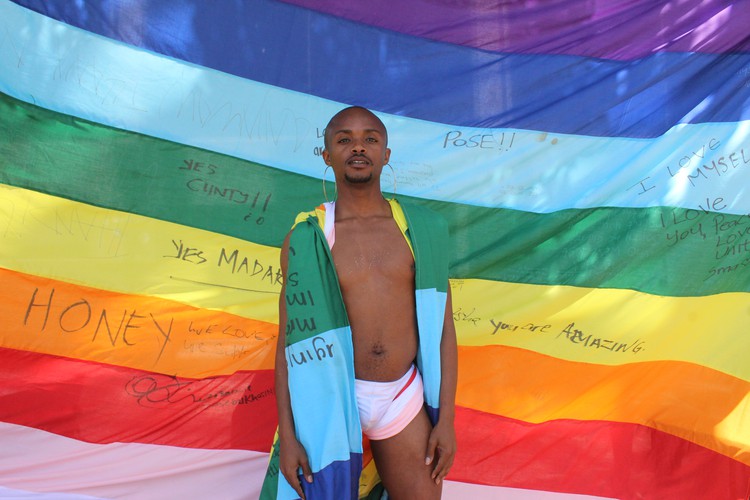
[{"x": 379, "y": 251}]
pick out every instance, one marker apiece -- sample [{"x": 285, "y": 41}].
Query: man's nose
[{"x": 358, "y": 147}]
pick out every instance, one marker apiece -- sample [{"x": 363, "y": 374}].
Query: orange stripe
[
  {"x": 695, "y": 403},
  {"x": 143, "y": 332}
]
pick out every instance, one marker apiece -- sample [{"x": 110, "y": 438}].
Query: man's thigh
[{"x": 400, "y": 462}]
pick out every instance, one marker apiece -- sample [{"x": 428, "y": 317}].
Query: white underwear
[{"x": 386, "y": 408}]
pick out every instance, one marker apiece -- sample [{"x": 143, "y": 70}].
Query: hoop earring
[
  {"x": 336, "y": 187},
  {"x": 393, "y": 174}
]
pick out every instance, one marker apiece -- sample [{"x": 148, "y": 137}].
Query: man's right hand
[{"x": 292, "y": 457}]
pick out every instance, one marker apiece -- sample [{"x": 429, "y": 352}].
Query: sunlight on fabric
[
  {"x": 709, "y": 29},
  {"x": 698, "y": 109},
  {"x": 740, "y": 137},
  {"x": 735, "y": 428}
]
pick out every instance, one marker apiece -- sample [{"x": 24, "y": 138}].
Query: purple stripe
[{"x": 609, "y": 29}]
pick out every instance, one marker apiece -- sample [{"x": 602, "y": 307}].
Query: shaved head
[{"x": 335, "y": 122}]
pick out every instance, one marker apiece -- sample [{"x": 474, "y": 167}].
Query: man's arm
[
  {"x": 443, "y": 436},
  {"x": 292, "y": 455}
]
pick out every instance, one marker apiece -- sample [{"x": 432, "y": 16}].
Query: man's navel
[{"x": 378, "y": 349}]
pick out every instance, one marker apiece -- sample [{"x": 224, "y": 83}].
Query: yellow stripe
[
  {"x": 69, "y": 241},
  {"x": 400, "y": 218},
  {"x": 369, "y": 478},
  {"x": 78, "y": 243},
  {"x": 605, "y": 326}
]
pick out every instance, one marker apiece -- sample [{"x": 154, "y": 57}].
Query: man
[{"x": 366, "y": 335}]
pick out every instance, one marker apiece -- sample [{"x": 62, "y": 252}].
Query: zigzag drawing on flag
[{"x": 592, "y": 160}]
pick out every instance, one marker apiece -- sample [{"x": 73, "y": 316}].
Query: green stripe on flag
[{"x": 659, "y": 250}]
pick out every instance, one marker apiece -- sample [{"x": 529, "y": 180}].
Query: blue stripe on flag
[{"x": 399, "y": 74}]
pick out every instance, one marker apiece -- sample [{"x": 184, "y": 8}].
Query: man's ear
[
  {"x": 387, "y": 155},
  {"x": 326, "y": 157}
]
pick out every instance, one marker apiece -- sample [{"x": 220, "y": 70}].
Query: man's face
[{"x": 356, "y": 146}]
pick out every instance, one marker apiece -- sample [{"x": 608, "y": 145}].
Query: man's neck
[{"x": 361, "y": 204}]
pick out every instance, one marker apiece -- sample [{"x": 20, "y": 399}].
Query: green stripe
[
  {"x": 376, "y": 493},
  {"x": 271, "y": 480},
  {"x": 84, "y": 161},
  {"x": 600, "y": 247},
  {"x": 313, "y": 297},
  {"x": 660, "y": 250},
  {"x": 429, "y": 237}
]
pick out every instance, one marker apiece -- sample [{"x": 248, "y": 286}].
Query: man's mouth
[{"x": 358, "y": 162}]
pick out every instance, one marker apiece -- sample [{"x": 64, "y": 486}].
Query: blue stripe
[
  {"x": 399, "y": 74},
  {"x": 433, "y": 414},
  {"x": 430, "y": 305},
  {"x": 338, "y": 481},
  {"x": 321, "y": 370},
  {"x": 108, "y": 82}
]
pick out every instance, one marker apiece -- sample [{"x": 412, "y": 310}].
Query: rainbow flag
[{"x": 592, "y": 160}]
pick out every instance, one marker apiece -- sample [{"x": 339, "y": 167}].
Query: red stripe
[
  {"x": 101, "y": 403},
  {"x": 608, "y": 459},
  {"x": 408, "y": 382}
]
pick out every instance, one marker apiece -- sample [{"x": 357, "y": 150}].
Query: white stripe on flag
[{"x": 33, "y": 460}]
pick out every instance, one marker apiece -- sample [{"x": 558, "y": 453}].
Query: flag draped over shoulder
[
  {"x": 592, "y": 160},
  {"x": 320, "y": 353}
]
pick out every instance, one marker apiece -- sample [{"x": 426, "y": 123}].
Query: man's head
[{"x": 356, "y": 145}]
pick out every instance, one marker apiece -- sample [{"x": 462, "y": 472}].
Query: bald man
[{"x": 404, "y": 370}]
